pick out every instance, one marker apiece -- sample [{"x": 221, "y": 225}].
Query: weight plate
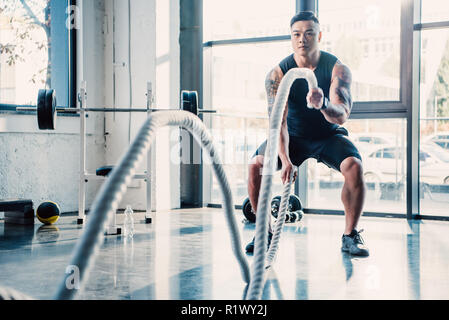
[
  {"x": 50, "y": 100},
  {"x": 275, "y": 206},
  {"x": 194, "y": 102},
  {"x": 294, "y": 203},
  {"x": 185, "y": 104},
  {"x": 41, "y": 115},
  {"x": 189, "y": 101},
  {"x": 46, "y": 109},
  {"x": 247, "y": 211}
]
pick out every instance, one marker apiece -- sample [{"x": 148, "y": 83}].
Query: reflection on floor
[{"x": 186, "y": 254}]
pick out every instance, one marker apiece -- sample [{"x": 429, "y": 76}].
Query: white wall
[
  {"x": 167, "y": 94},
  {"x": 45, "y": 165},
  {"x": 154, "y": 33},
  {"x": 41, "y": 165}
]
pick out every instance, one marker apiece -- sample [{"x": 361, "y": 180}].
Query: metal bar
[
  {"x": 431, "y": 25},
  {"x": 206, "y": 111},
  {"x": 82, "y": 171},
  {"x": 341, "y": 213},
  {"x": 430, "y": 217},
  {"x": 26, "y": 109},
  {"x": 365, "y": 213},
  {"x": 76, "y": 110},
  {"x": 245, "y": 40},
  {"x": 117, "y": 110},
  {"x": 148, "y": 178},
  {"x": 72, "y": 58},
  {"x": 125, "y": 110},
  {"x": 93, "y": 176},
  {"x": 411, "y": 12},
  {"x": 240, "y": 116},
  {"x": 307, "y": 5},
  {"x": 433, "y": 119}
]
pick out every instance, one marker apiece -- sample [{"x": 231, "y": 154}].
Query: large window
[
  {"x": 434, "y": 114},
  {"x": 234, "y": 19},
  {"x": 375, "y": 38},
  {"x": 434, "y": 11},
  {"x": 365, "y": 35},
  {"x": 236, "y": 75},
  {"x": 237, "y": 138},
  {"x": 381, "y": 144},
  {"x": 34, "y": 50}
]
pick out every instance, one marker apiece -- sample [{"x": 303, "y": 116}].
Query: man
[{"x": 315, "y": 133}]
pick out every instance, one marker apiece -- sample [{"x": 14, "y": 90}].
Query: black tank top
[{"x": 303, "y": 122}]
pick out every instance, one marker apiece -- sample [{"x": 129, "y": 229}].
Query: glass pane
[
  {"x": 365, "y": 35},
  {"x": 238, "y": 76},
  {"x": 24, "y": 50},
  {"x": 434, "y": 10},
  {"x": 434, "y": 106},
  {"x": 238, "y": 91},
  {"x": 381, "y": 144},
  {"x": 246, "y": 19},
  {"x": 238, "y": 138}
]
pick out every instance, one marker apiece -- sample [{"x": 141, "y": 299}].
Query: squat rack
[{"x": 84, "y": 176}]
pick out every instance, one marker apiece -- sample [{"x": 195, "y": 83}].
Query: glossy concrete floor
[{"x": 186, "y": 254}]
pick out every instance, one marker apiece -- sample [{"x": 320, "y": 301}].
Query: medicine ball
[{"x": 48, "y": 212}]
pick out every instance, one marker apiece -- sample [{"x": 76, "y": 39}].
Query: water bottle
[{"x": 129, "y": 222}]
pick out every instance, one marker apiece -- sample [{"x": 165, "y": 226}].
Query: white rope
[
  {"x": 111, "y": 193},
  {"x": 279, "y": 222},
  {"x": 270, "y": 160}
]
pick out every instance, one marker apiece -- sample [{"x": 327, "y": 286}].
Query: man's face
[{"x": 305, "y": 37}]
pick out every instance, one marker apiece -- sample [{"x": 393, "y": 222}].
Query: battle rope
[
  {"x": 270, "y": 160},
  {"x": 111, "y": 193}
]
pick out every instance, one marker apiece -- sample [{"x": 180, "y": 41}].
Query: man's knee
[{"x": 352, "y": 169}]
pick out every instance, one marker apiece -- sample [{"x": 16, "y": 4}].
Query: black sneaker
[
  {"x": 354, "y": 244},
  {"x": 250, "y": 246}
]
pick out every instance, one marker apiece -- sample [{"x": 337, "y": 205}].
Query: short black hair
[{"x": 304, "y": 16}]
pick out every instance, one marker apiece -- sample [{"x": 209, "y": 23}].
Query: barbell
[{"x": 47, "y": 108}]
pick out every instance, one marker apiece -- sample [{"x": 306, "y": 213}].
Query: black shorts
[{"x": 331, "y": 151}]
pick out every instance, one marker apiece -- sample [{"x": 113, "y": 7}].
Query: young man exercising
[{"x": 317, "y": 132}]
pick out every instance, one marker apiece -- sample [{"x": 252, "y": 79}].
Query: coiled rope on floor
[
  {"x": 270, "y": 161},
  {"x": 112, "y": 191}
]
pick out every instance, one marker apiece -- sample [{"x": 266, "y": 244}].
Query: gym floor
[{"x": 186, "y": 254}]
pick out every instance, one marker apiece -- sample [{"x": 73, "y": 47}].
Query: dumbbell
[
  {"x": 296, "y": 216},
  {"x": 294, "y": 210}
]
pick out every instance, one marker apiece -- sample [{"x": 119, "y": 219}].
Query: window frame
[{"x": 415, "y": 120}]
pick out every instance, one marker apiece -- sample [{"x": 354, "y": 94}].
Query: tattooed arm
[
  {"x": 340, "y": 104},
  {"x": 272, "y": 82}
]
